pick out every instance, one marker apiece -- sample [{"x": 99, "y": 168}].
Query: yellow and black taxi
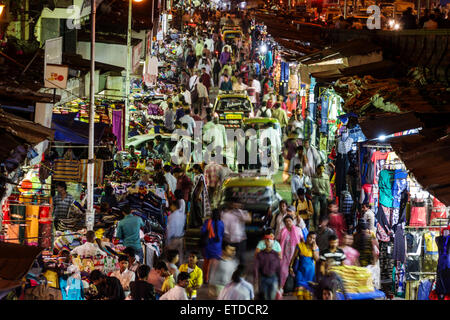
[
  {"x": 232, "y": 107},
  {"x": 256, "y": 194}
]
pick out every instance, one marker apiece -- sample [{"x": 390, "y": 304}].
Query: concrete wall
[{"x": 113, "y": 54}]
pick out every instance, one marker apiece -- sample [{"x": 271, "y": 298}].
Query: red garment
[
  {"x": 377, "y": 156},
  {"x": 337, "y": 223},
  {"x": 304, "y": 107},
  {"x": 418, "y": 217},
  {"x": 439, "y": 210},
  {"x": 185, "y": 185}
]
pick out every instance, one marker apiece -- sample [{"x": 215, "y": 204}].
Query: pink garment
[
  {"x": 351, "y": 256},
  {"x": 289, "y": 239}
]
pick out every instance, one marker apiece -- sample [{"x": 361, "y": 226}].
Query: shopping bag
[{"x": 289, "y": 285}]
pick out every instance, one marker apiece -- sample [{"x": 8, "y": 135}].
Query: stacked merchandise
[
  {"x": 103, "y": 109},
  {"x": 358, "y": 283}
]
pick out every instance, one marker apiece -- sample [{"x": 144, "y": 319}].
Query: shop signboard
[
  {"x": 56, "y": 76},
  {"x": 53, "y": 53}
]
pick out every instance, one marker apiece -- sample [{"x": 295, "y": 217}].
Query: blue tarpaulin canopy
[{"x": 69, "y": 130}]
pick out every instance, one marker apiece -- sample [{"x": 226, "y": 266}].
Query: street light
[{"x": 2, "y": 6}]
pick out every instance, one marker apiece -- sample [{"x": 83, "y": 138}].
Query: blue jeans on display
[{"x": 269, "y": 287}]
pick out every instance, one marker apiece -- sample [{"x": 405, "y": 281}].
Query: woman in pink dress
[{"x": 291, "y": 235}]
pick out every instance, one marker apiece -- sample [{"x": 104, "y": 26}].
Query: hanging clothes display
[
  {"x": 443, "y": 270},
  {"x": 66, "y": 170},
  {"x": 45, "y": 227},
  {"x": 32, "y": 225},
  {"x": 117, "y": 128},
  {"x": 418, "y": 214},
  {"x": 413, "y": 251},
  {"x": 385, "y": 184},
  {"x": 431, "y": 251},
  {"x": 439, "y": 210},
  {"x": 98, "y": 171}
]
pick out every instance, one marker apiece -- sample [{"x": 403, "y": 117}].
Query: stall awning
[
  {"x": 15, "y": 131},
  {"x": 15, "y": 262},
  {"x": 71, "y": 131}
]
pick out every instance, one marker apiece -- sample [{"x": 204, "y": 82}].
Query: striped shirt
[{"x": 61, "y": 206}]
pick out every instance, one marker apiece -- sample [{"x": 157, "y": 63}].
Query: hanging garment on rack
[
  {"x": 443, "y": 270},
  {"x": 399, "y": 280},
  {"x": 431, "y": 251},
  {"x": 385, "y": 184},
  {"x": 411, "y": 290},
  {"x": 418, "y": 216},
  {"x": 16, "y": 230},
  {"x": 439, "y": 210},
  {"x": 386, "y": 261},
  {"x": 379, "y": 159},
  {"x": 366, "y": 165},
  {"x": 66, "y": 170},
  {"x": 424, "y": 289},
  {"x": 399, "y": 244},
  {"x": 324, "y": 115},
  {"x": 342, "y": 166},
  {"x": 32, "y": 228},
  {"x": 98, "y": 171},
  {"x": 384, "y": 230},
  {"x": 366, "y": 194},
  {"x": 400, "y": 184}
]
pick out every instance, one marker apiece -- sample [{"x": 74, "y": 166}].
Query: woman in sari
[
  {"x": 291, "y": 235},
  {"x": 200, "y": 200},
  {"x": 304, "y": 268}
]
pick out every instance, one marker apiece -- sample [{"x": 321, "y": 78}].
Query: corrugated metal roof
[
  {"x": 341, "y": 50},
  {"x": 427, "y": 158}
]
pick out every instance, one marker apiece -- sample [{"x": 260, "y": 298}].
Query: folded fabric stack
[{"x": 356, "y": 279}]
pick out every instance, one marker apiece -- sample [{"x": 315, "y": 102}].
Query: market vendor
[
  {"x": 61, "y": 202},
  {"x": 90, "y": 248},
  {"x": 128, "y": 230}
]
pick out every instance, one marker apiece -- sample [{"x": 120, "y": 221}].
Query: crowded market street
[{"x": 215, "y": 150}]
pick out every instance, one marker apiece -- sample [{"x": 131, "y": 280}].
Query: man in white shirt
[
  {"x": 90, "y": 248},
  {"x": 272, "y": 137},
  {"x": 189, "y": 121},
  {"x": 256, "y": 85},
  {"x": 193, "y": 80},
  {"x": 171, "y": 180},
  {"x": 179, "y": 291},
  {"x": 210, "y": 44},
  {"x": 369, "y": 216},
  {"x": 234, "y": 220},
  {"x": 124, "y": 275},
  {"x": 186, "y": 94},
  {"x": 314, "y": 159}
]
